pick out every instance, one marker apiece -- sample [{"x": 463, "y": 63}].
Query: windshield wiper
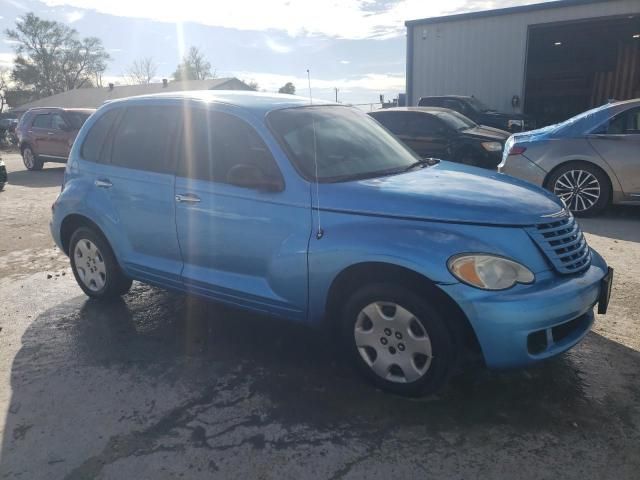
[{"x": 425, "y": 162}]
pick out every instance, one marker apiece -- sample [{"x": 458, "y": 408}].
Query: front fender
[{"x": 423, "y": 247}]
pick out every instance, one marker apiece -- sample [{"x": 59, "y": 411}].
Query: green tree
[
  {"x": 289, "y": 88},
  {"x": 50, "y": 58},
  {"x": 194, "y": 66}
]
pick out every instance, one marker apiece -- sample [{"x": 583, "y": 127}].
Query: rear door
[
  {"x": 618, "y": 143},
  {"x": 246, "y": 246},
  {"x": 39, "y": 132},
  {"x": 139, "y": 184}
]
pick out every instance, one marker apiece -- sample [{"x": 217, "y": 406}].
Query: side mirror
[{"x": 250, "y": 176}]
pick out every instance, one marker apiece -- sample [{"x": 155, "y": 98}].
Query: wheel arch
[
  {"x": 71, "y": 223},
  {"x": 354, "y": 276}
]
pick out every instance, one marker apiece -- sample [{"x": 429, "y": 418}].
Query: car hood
[
  {"x": 446, "y": 192},
  {"x": 489, "y": 133}
]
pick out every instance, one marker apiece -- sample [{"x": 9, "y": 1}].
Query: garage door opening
[{"x": 572, "y": 67}]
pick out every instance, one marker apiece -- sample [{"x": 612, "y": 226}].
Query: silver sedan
[{"x": 589, "y": 161}]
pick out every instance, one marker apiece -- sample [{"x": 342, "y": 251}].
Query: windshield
[
  {"x": 347, "y": 144},
  {"x": 456, "y": 121},
  {"x": 77, "y": 119},
  {"x": 478, "y": 105}
]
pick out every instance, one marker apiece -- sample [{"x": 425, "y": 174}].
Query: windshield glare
[
  {"x": 348, "y": 144},
  {"x": 456, "y": 121}
]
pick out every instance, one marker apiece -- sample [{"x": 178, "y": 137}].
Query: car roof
[
  {"x": 257, "y": 102},
  {"x": 80, "y": 110},
  {"x": 431, "y": 110}
]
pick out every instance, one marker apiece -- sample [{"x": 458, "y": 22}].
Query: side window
[
  {"x": 424, "y": 125},
  {"x": 94, "y": 143},
  {"x": 42, "y": 120},
  {"x": 57, "y": 122},
  {"x": 627, "y": 123},
  {"x": 215, "y": 142},
  {"x": 394, "y": 122},
  {"x": 144, "y": 138},
  {"x": 451, "y": 104}
]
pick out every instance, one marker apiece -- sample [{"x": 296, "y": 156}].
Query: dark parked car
[
  {"x": 445, "y": 134},
  {"x": 46, "y": 134},
  {"x": 3, "y": 175},
  {"x": 478, "y": 112}
]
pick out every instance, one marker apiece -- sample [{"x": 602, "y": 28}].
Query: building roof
[
  {"x": 94, "y": 97},
  {"x": 502, "y": 11},
  {"x": 257, "y": 102}
]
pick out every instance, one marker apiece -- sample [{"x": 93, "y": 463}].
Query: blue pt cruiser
[{"x": 317, "y": 214}]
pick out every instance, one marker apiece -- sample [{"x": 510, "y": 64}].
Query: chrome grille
[{"x": 563, "y": 243}]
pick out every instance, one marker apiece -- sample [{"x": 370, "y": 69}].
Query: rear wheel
[
  {"x": 31, "y": 160},
  {"x": 397, "y": 340},
  {"x": 95, "y": 266},
  {"x": 583, "y": 188}
]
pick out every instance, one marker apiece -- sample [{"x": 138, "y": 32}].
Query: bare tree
[
  {"x": 194, "y": 66},
  {"x": 4, "y": 86},
  {"x": 142, "y": 71}
]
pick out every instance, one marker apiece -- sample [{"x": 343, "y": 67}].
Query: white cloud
[
  {"x": 277, "y": 47},
  {"x": 345, "y": 62},
  {"x": 353, "y": 19},
  {"x": 6, "y": 60},
  {"x": 74, "y": 16}
]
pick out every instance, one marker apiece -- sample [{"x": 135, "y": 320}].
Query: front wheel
[
  {"x": 583, "y": 188},
  {"x": 95, "y": 266},
  {"x": 397, "y": 340}
]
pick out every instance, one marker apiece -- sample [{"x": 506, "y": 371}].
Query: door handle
[
  {"x": 187, "y": 198},
  {"x": 103, "y": 183}
]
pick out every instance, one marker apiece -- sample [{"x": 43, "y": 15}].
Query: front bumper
[
  {"x": 521, "y": 167},
  {"x": 508, "y": 324}
]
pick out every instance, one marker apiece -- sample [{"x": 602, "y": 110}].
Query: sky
[{"x": 357, "y": 46}]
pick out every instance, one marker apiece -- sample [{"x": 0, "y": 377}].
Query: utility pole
[{"x": 336, "y": 89}]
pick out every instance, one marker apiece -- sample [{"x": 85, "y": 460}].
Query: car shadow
[
  {"x": 620, "y": 222},
  {"x": 47, "y": 177},
  {"x": 94, "y": 383}
]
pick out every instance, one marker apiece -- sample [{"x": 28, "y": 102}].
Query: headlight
[
  {"x": 492, "y": 146},
  {"x": 488, "y": 272}
]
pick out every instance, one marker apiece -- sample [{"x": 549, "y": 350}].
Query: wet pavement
[{"x": 163, "y": 386}]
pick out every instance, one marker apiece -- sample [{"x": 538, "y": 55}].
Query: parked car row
[{"x": 317, "y": 214}]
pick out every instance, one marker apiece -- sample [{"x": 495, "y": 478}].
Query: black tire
[
  {"x": 31, "y": 161},
  {"x": 442, "y": 361},
  {"x": 556, "y": 181},
  {"x": 115, "y": 281},
  {"x": 1, "y": 186}
]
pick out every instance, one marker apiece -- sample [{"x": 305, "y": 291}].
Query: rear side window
[
  {"x": 145, "y": 137},
  {"x": 395, "y": 122},
  {"x": 430, "y": 102},
  {"x": 627, "y": 123},
  {"x": 94, "y": 144},
  {"x": 423, "y": 124},
  {"x": 215, "y": 142},
  {"x": 42, "y": 120},
  {"x": 57, "y": 122}
]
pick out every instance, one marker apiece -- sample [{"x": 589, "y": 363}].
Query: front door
[
  {"x": 618, "y": 143},
  {"x": 40, "y": 132},
  {"x": 59, "y": 138},
  {"x": 426, "y": 136},
  {"x": 244, "y": 246}
]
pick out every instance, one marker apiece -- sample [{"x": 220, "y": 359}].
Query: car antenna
[{"x": 320, "y": 232}]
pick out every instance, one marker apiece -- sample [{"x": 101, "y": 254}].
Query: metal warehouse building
[{"x": 551, "y": 60}]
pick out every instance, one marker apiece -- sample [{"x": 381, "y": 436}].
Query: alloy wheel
[
  {"x": 393, "y": 342},
  {"x": 578, "y": 189},
  {"x": 90, "y": 265},
  {"x": 28, "y": 158}
]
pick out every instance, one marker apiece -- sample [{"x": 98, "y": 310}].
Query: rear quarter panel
[{"x": 551, "y": 153}]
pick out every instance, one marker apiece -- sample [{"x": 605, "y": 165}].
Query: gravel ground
[{"x": 160, "y": 386}]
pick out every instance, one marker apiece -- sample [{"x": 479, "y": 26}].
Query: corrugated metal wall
[{"x": 486, "y": 57}]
